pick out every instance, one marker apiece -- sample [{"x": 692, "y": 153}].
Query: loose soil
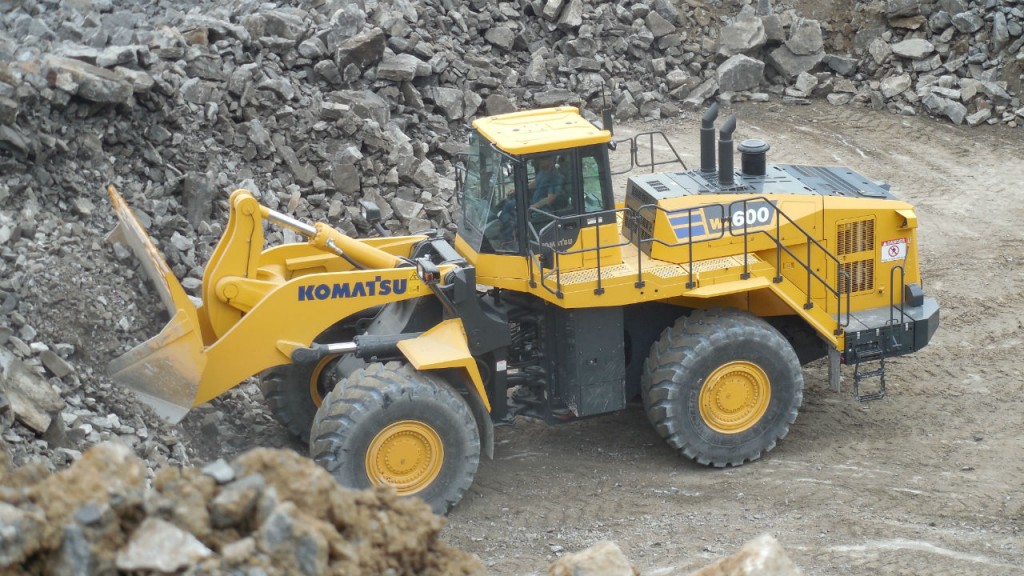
[{"x": 929, "y": 479}]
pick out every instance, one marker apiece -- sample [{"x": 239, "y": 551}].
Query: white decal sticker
[
  {"x": 894, "y": 250},
  {"x": 502, "y": 365}
]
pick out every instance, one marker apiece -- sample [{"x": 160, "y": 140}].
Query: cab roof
[{"x": 540, "y": 130}]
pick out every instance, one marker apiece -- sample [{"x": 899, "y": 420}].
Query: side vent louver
[{"x": 856, "y": 242}]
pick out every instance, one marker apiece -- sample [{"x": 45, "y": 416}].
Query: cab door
[{"x": 582, "y": 221}]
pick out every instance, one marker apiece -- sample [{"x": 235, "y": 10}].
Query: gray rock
[
  {"x": 914, "y": 48},
  {"x": 745, "y": 34},
  {"x": 952, "y": 109},
  {"x": 501, "y": 36},
  {"x": 927, "y": 64},
  {"x": 236, "y": 501},
  {"x": 140, "y": 81},
  {"x": 979, "y": 117},
  {"x": 220, "y": 471},
  {"x": 312, "y": 48},
  {"x": 216, "y": 27},
  {"x": 880, "y": 50},
  {"x": 556, "y": 97},
  {"x": 902, "y": 8},
  {"x": 740, "y": 73},
  {"x": 75, "y": 556},
  {"x": 790, "y": 65},
  {"x": 774, "y": 29},
  {"x": 696, "y": 98},
  {"x": 425, "y": 177},
  {"x": 286, "y": 24},
  {"x": 805, "y": 83},
  {"x": 498, "y": 104},
  {"x": 552, "y": 8},
  {"x": 1000, "y": 32},
  {"x": 805, "y": 37},
  {"x": 348, "y": 20},
  {"x": 572, "y": 15},
  {"x": 32, "y": 399},
  {"x": 967, "y": 22},
  {"x": 839, "y": 99},
  {"x": 161, "y": 546},
  {"x": 362, "y": 50},
  {"x": 842, "y": 65},
  {"x": 118, "y": 56},
  {"x": 679, "y": 77},
  {"x": 20, "y": 531},
  {"x": 537, "y": 71},
  {"x": 399, "y": 68},
  {"x": 55, "y": 364},
  {"x": 365, "y": 104},
  {"x": 85, "y": 80},
  {"x": 450, "y": 100},
  {"x": 953, "y": 7},
  {"x": 940, "y": 20},
  {"x": 198, "y": 91},
  {"x": 658, "y": 25},
  {"x": 406, "y": 210},
  {"x": 895, "y": 85},
  {"x": 8, "y": 110}
]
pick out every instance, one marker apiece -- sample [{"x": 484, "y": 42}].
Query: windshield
[{"x": 488, "y": 199}]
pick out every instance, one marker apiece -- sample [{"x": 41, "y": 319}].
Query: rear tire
[
  {"x": 722, "y": 387},
  {"x": 391, "y": 425}
]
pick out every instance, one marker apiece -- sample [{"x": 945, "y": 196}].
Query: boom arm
[{"x": 258, "y": 305}]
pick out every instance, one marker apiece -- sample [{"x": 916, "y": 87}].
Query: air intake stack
[
  {"x": 754, "y": 156},
  {"x": 725, "y": 162}
]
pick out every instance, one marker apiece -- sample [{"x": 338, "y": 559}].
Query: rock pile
[
  {"x": 268, "y": 512},
  {"x": 952, "y": 59}
]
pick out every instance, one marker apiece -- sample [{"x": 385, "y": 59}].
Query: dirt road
[{"x": 927, "y": 480}]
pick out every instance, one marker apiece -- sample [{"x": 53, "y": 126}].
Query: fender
[{"x": 444, "y": 346}]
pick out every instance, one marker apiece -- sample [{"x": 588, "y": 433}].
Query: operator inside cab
[{"x": 539, "y": 197}]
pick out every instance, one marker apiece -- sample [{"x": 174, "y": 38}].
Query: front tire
[
  {"x": 722, "y": 387},
  {"x": 391, "y": 425},
  {"x": 294, "y": 392}
]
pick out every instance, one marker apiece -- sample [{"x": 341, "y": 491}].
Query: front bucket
[{"x": 164, "y": 371}]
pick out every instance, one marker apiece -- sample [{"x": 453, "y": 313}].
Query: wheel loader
[{"x": 700, "y": 294}]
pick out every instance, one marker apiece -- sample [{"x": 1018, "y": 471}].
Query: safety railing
[
  {"x": 632, "y": 223},
  {"x": 634, "y": 152}
]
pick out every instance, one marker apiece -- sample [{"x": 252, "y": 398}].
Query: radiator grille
[
  {"x": 853, "y": 237},
  {"x": 860, "y": 276},
  {"x": 856, "y": 238}
]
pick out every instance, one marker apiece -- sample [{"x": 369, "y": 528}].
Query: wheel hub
[
  {"x": 735, "y": 397},
  {"x": 406, "y": 455}
]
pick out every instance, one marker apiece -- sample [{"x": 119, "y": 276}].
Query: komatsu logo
[{"x": 375, "y": 287}]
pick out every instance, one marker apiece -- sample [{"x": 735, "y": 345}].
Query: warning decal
[{"x": 894, "y": 250}]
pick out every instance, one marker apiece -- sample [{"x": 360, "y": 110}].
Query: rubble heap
[{"x": 269, "y": 512}]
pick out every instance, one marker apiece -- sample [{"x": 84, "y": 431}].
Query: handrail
[
  {"x": 892, "y": 295},
  {"x": 634, "y": 217},
  {"x": 777, "y": 239},
  {"x": 634, "y": 148}
]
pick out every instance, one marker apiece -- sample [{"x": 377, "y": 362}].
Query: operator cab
[{"x": 531, "y": 180}]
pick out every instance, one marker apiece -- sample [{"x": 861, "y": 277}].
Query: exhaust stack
[
  {"x": 707, "y": 139},
  {"x": 725, "y": 170}
]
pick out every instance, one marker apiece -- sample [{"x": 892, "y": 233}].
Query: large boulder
[
  {"x": 740, "y": 73},
  {"x": 743, "y": 35}
]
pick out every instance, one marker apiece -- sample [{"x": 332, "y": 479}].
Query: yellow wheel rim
[
  {"x": 314, "y": 380},
  {"x": 734, "y": 397},
  {"x": 406, "y": 455}
]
